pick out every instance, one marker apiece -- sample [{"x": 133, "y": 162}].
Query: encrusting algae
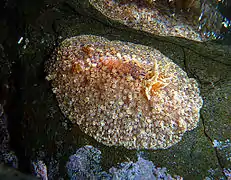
[{"x": 123, "y": 94}]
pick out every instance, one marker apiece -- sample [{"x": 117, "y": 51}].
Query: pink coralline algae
[
  {"x": 86, "y": 164},
  {"x": 123, "y": 94}
]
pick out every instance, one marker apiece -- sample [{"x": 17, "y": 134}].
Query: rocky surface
[
  {"x": 86, "y": 164},
  {"x": 39, "y": 130}
]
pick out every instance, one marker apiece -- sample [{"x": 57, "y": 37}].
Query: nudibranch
[
  {"x": 123, "y": 94},
  {"x": 191, "y": 19}
]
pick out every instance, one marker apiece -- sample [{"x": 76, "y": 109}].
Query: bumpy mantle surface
[
  {"x": 192, "y": 19},
  {"x": 122, "y": 93}
]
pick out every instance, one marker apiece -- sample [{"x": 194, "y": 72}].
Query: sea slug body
[{"x": 123, "y": 94}]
